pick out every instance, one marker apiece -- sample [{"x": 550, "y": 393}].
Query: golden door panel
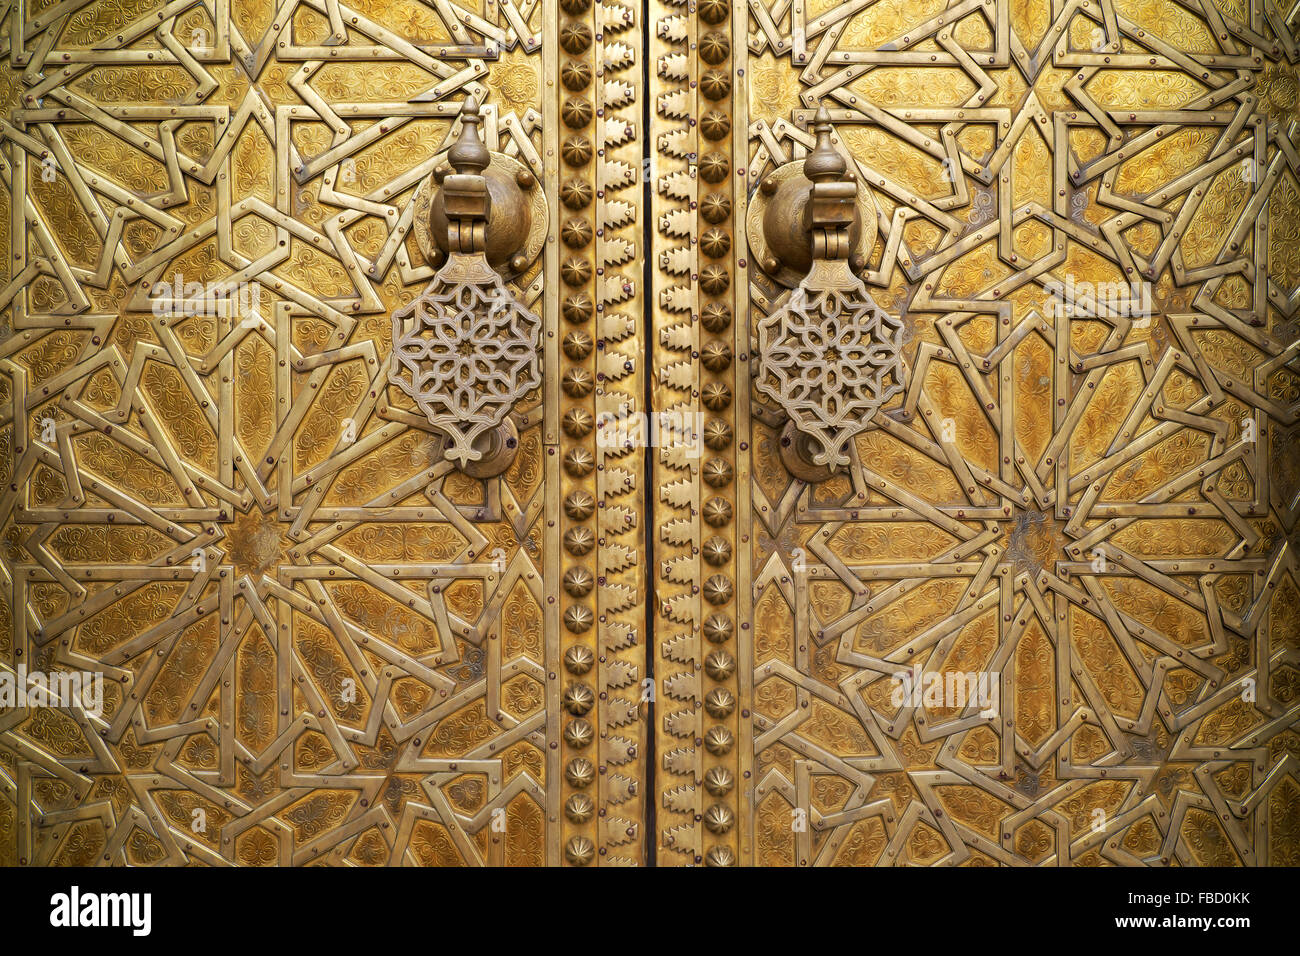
[
  {"x": 326, "y": 634},
  {"x": 987, "y": 555},
  {"x": 572, "y": 432}
]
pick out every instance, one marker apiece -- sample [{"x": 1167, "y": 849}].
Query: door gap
[{"x": 651, "y": 837}]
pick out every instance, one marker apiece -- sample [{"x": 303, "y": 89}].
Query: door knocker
[
  {"x": 466, "y": 350},
  {"x": 827, "y": 354}
]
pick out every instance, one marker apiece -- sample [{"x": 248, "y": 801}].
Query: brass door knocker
[
  {"x": 466, "y": 350},
  {"x": 827, "y": 354}
]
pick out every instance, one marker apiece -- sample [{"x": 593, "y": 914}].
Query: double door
[{"x": 594, "y": 432}]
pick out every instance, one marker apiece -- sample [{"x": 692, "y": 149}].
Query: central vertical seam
[{"x": 647, "y": 378}]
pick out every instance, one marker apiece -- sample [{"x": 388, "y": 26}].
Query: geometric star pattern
[
  {"x": 1097, "y": 503},
  {"x": 322, "y": 643}
]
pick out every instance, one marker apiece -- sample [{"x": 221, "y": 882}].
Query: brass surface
[
  {"x": 329, "y": 646},
  {"x": 318, "y": 636},
  {"x": 1097, "y": 507}
]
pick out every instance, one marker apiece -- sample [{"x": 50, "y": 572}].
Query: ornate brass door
[{"x": 543, "y": 432}]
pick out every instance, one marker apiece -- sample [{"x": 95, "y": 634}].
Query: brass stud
[
  {"x": 579, "y": 505},
  {"x": 715, "y": 84},
  {"x": 579, "y": 659},
  {"x": 579, "y": 541},
  {"x": 578, "y": 308},
  {"x": 719, "y": 818},
  {"x": 719, "y": 703},
  {"x": 578, "y": 699},
  {"x": 575, "y": 194},
  {"x": 714, "y": 11},
  {"x": 579, "y": 734},
  {"x": 576, "y": 112},
  {"x": 576, "y": 233},
  {"x": 575, "y": 38},
  {"x": 575, "y": 272},
  {"x": 714, "y": 47},
  {"x": 575, "y": 76},
  {"x": 578, "y": 619},
  {"x": 577, "y": 382},
  {"x": 716, "y": 512},
  {"x": 717, "y": 472},
  {"x": 715, "y": 208},
  {"x": 578, "y": 422},
  {"x": 718, "y": 589},
  {"x": 716, "y": 317},
  {"x": 714, "y": 167},
  {"x": 719, "y": 740},
  {"x": 716, "y": 356},
  {"x": 715, "y": 243},
  {"x": 718, "y": 781},
  {"x": 576, "y": 150},
  {"x": 715, "y": 124},
  {"x": 714, "y": 280},
  {"x": 717, "y": 434},
  {"x": 579, "y": 808},
  {"x": 720, "y": 665},
  {"x": 580, "y": 773},
  {"x": 579, "y": 462},
  {"x": 718, "y": 628},
  {"x": 579, "y": 851},
  {"x": 716, "y": 551},
  {"x": 577, "y": 345},
  {"x": 578, "y": 582},
  {"x": 716, "y": 396},
  {"x": 720, "y": 856}
]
